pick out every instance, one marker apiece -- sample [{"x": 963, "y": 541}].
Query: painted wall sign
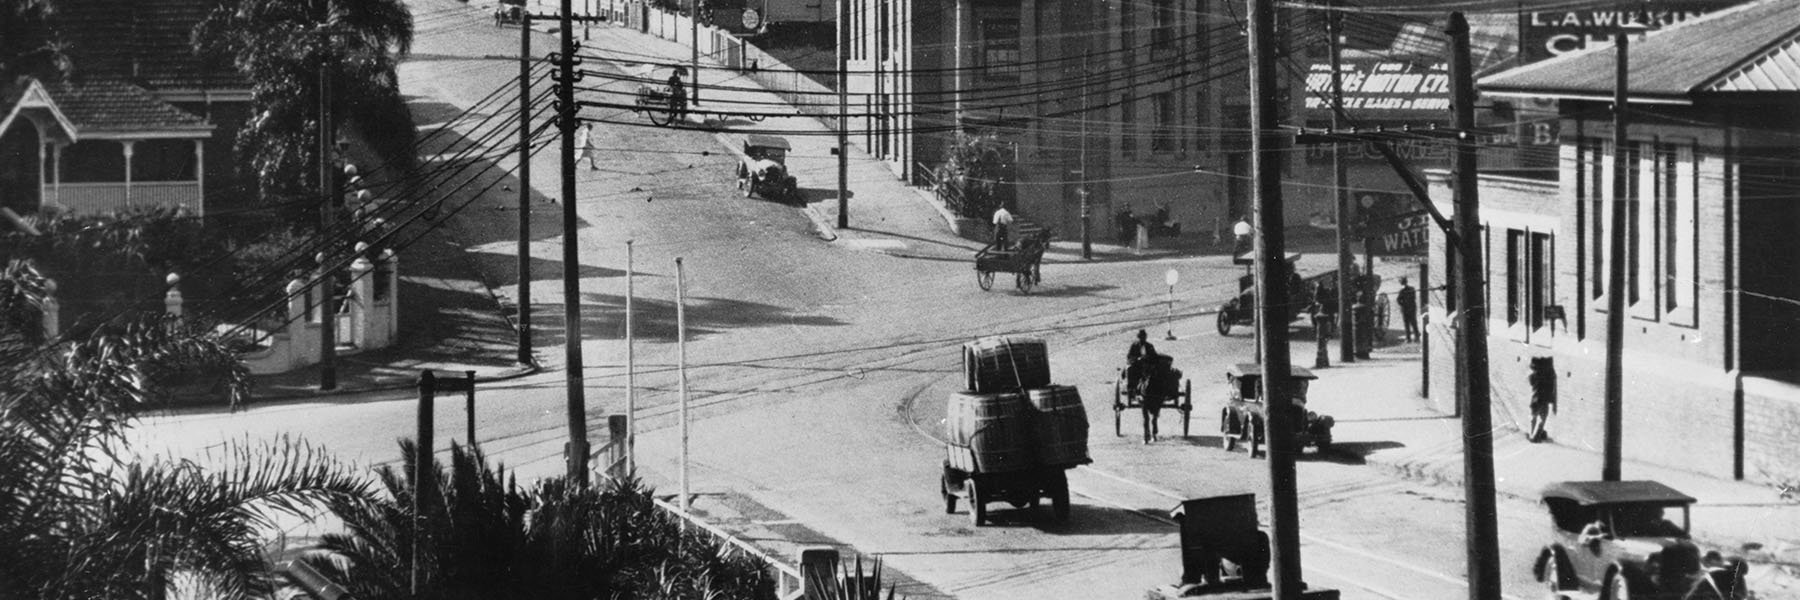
[{"x": 1550, "y": 33}]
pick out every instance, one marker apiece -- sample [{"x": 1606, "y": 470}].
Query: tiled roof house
[
  {"x": 141, "y": 121},
  {"x": 1712, "y": 206}
]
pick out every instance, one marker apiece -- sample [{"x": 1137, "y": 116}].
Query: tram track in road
[{"x": 768, "y": 376}]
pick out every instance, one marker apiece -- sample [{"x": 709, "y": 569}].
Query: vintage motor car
[
  {"x": 764, "y": 169},
  {"x": 1629, "y": 540},
  {"x": 1244, "y": 417}
]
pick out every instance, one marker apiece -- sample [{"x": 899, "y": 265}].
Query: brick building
[
  {"x": 1114, "y": 98},
  {"x": 1711, "y": 355}
]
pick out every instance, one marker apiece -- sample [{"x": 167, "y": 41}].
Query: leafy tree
[
  {"x": 973, "y": 179},
  {"x": 484, "y": 536},
  {"x": 79, "y": 519},
  {"x": 282, "y": 46},
  {"x": 29, "y": 46}
]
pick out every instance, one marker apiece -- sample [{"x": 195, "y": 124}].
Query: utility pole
[
  {"x": 843, "y": 144},
  {"x": 1334, "y": 27},
  {"x": 1271, "y": 283},
  {"x": 1478, "y": 444},
  {"x": 1615, "y": 264},
  {"x": 525, "y": 357},
  {"x": 577, "y": 451},
  {"x": 1087, "y": 204},
  {"x": 694, "y": 49},
  {"x": 327, "y": 217}
]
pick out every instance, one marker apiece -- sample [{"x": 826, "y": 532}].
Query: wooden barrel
[
  {"x": 1005, "y": 364},
  {"x": 1059, "y": 425},
  {"x": 996, "y": 428}
]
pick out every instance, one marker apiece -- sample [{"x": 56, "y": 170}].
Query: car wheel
[
  {"x": 1552, "y": 575},
  {"x": 1059, "y": 497},
  {"x": 977, "y": 506},
  {"x": 1617, "y": 587},
  {"x": 1224, "y": 322},
  {"x": 949, "y": 498}
]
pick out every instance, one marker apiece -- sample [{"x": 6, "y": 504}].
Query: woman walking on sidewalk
[{"x": 1543, "y": 396}]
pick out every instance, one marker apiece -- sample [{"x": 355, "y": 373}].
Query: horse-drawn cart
[
  {"x": 1023, "y": 262},
  {"x": 1159, "y": 382}
]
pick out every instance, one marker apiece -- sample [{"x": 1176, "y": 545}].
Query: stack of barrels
[{"x": 1010, "y": 417}]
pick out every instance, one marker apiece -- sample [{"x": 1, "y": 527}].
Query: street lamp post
[{"x": 1170, "y": 278}]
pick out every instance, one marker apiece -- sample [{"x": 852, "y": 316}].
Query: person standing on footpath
[
  {"x": 678, "y": 95},
  {"x": 1543, "y": 396},
  {"x": 584, "y": 140},
  {"x": 1003, "y": 222},
  {"x": 1408, "y": 299}
]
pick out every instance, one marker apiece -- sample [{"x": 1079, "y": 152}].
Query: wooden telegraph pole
[
  {"x": 1271, "y": 290},
  {"x": 327, "y": 219},
  {"x": 1478, "y": 444},
  {"x": 843, "y": 124},
  {"x": 577, "y": 450},
  {"x": 525, "y": 357},
  {"x": 1615, "y": 265},
  {"x": 1334, "y": 26}
]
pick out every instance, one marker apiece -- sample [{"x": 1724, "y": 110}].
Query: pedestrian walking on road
[
  {"x": 678, "y": 95},
  {"x": 584, "y": 140},
  {"x": 1408, "y": 299},
  {"x": 1543, "y": 396},
  {"x": 1003, "y": 222}
]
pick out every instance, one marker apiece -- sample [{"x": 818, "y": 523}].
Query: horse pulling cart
[
  {"x": 1022, "y": 262},
  {"x": 1158, "y": 383}
]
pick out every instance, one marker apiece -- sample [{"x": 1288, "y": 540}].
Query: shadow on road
[
  {"x": 1355, "y": 453},
  {"x": 1084, "y": 519}
]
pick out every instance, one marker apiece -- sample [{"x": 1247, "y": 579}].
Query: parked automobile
[
  {"x": 1629, "y": 540},
  {"x": 1244, "y": 416}
]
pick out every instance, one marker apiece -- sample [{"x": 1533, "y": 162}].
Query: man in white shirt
[{"x": 1003, "y": 222}]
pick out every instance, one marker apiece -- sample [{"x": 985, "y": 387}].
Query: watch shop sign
[{"x": 1551, "y": 33}]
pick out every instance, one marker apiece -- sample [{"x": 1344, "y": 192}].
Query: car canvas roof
[
  {"x": 1255, "y": 370},
  {"x": 1616, "y": 492},
  {"x": 767, "y": 141}
]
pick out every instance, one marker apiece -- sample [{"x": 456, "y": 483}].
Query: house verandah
[
  {"x": 1711, "y": 351},
  {"x": 97, "y": 147}
]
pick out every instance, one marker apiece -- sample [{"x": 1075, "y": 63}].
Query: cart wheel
[
  {"x": 1118, "y": 406},
  {"x": 949, "y": 498},
  {"x": 1224, "y": 323},
  {"x": 985, "y": 279},
  {"x": 659, "y": 116},
  {"x": 977, "y": 505},
  {"x": 1059, "y": 497},
  {"x": 1023, "y": 281}
]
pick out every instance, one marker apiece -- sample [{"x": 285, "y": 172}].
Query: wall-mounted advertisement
[
  {"x": 1000, "y": 54},
  {"x": 1551, "y": 33},
  {"x": 1380, "y": 89}
]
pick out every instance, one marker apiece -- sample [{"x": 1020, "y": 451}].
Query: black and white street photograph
[{"x": 899, "y": 299}]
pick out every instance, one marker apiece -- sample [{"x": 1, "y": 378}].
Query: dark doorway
[{"x": 1769, "y": 196}]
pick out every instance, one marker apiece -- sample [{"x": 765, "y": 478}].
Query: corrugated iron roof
[
  {"x": 1745, "y": 48},
  {"x": 110, "y": 106}
]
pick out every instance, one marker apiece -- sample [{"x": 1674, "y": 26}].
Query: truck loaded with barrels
[{"x": 1011, "y": 435}]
